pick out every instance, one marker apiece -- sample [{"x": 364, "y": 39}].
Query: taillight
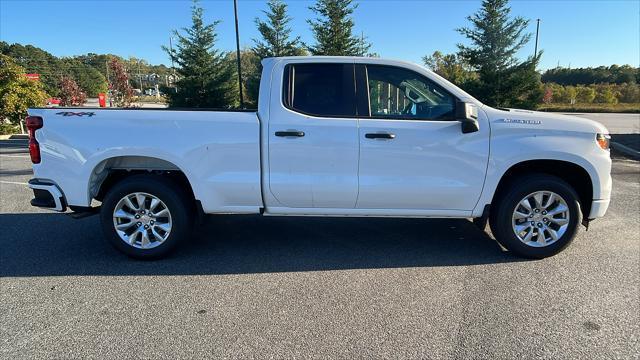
[{"x": 34, "y": 123}]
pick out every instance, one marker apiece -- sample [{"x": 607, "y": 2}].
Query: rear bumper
[
  {"x": 598, "y": 208},
  {"x": 47, "y": 195}
]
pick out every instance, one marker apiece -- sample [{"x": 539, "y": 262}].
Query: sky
[{"x": 572, "y": 33}]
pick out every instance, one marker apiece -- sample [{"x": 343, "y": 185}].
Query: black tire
[
  {"x": 500, "y": 219},
  {"x": 176, "y": 199}
]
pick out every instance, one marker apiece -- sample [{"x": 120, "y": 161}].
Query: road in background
[
  {"x": 615, "y": 123},
  {"x": 259, "y": 287},
  {"x": 624, "y": 130}
]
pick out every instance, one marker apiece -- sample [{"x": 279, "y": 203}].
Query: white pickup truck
[{"x": 332, "y": 136}]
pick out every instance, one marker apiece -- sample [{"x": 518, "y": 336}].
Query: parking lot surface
[{"x": 252, "y": 287}]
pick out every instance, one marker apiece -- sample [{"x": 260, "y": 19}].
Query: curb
[
  {"x": 15, "y": 137},
  {"x": 635, "y": 154}
]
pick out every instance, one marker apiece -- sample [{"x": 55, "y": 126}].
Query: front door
[
  {"x": 313, "y": 137},
  {"x": 413, "y": 154}
]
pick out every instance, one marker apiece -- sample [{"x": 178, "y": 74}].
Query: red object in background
[
  {"x": 34, "y": 123},
  {"x": 102, "y": 99},
  {"x": 35, "y": 77},
  {"x": 53, "y": 101}
]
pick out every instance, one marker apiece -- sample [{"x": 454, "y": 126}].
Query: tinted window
[
  {"x": 320, "y": 89},
  {"x": 403, "y": 94}
]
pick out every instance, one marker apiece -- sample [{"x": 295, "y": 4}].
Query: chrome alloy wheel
[
  {"x": 540, "y": 219},
  {"x": 142, "y": 220}
]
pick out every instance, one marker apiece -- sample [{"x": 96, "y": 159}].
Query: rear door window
[{"x": 325, "y": 90}]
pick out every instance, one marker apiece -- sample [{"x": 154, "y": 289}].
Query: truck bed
[{"x": 218, "y": 151}]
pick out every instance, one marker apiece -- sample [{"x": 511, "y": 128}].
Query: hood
[{"x": 544, "y": 120}]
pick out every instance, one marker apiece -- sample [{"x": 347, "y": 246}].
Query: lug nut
[
  {"x": 152, "y": 222},
  {"x": 533, "y": 223},
  {"x": 139, "y": 223},
  {"x": 146, "y": 226},
  {"x": 544, "y": 212},
  {"x": 539, "y": 225},
  {"x": 137, "y": 216},
  {"x": 545, "y": 219},
  {"x": 142, "y": 212},
  {"x": 531, "y": 215},
  {"x": 537, "y": 210}
]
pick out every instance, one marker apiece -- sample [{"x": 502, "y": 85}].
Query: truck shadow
[{"x": 57, "y": 245}]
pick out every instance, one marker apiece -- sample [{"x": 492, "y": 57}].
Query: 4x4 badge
[{"x": 71, "y": 113}]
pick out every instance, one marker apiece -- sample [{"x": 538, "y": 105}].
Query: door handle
[
  {"x": 380, "y": 136},
  {"x": 290, "y": 133}
]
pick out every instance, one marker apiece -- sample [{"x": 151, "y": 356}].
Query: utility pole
[
  {"x": 537, "y": 31},
  {"x": 235, "y": 11},
  {"x": 173, "y": 69},
  {"x": 106, "y": 66},
  {"x": 140, "y": 77}
]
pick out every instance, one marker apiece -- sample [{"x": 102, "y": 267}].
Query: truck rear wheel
[
  {"x": 146, "y": 216},
  {"x": 536, "y": 217}
]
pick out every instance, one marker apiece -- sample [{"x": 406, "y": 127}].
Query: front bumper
[
  {"x": 47, "y": 195},
  {"x": 598, "y": 208}
]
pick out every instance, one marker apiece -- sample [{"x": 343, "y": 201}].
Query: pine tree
[
  {"x": 333, "y": 30},
  {"x": 276, "y": 41},
  {"x": 276, "y": 33},
  {"x": 205, "y": 79},
  {"x": 503, "y": 80}
]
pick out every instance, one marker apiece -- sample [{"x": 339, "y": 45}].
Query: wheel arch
[
  {"x": 111, "y": 170},
  {"x": 574, "y": 174}
]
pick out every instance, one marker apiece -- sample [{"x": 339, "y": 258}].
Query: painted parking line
[
  {"x": 13, "y": 182},
  {"x": 15, "y": 156}
]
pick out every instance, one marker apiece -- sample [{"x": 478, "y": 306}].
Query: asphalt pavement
[
  {"x": 271, "y": 287},
  {"x": 615, "y": 123}
]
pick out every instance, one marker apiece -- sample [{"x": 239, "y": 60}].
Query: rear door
[
  {"x": 413, "y": 154},
  {"x": 313, "y": 136}
]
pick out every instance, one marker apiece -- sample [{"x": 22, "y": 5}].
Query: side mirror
[{"x": 467, "y": 114}]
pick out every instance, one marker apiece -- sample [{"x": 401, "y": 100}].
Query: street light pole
[
  {"x": 537, "y": 31},
  {"x": 235, "y": 11}
]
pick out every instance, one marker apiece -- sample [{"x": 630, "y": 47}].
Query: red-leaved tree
[
  {"x": 548, "y": 96},
  {"x": 70, "y": 93},
  {"x": 121, "y": 91}
]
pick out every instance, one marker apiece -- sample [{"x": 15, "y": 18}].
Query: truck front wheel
[
  {"x": 537, "y": 216},
  {"x": 146, "y": 216}
]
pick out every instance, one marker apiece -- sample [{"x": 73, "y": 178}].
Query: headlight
[{"x": 603, "y": 141}]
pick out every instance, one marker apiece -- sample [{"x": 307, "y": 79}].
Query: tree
[
  {"x": 629, "y": 93},
  {"x": 121, "y": 91},
  {"x": 450, "y": 66},
  {"x": 36, "y": 60},
  {"x": 276, "y": 33},
  {"x": 17, "y": 93},
  {"x": 70, "y": 93},
  {"x": 585, "y": 95},
  {"x": 206, "y": 80},
  {"x": 88, "y": 78},
  {"x": 495, "y": 38},
  {"x": 333, "y": 30},
  {"x": 276, "y": 41},
  {"x": 613, "y": 74},
  {"x": 547, "y": 98},
  {"x": 606, "y": 94}
]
